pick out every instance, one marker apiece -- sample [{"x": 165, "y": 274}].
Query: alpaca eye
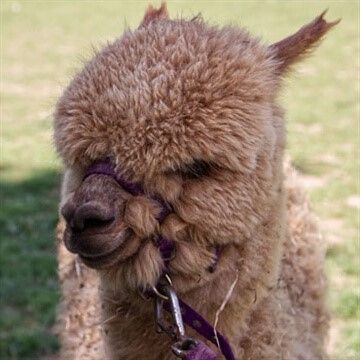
[{"x": 195, "y": 170}]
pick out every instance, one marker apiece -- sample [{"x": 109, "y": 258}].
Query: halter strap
[
  {"x": 167, "y": 247},
  {"x": 193, "y": 319},
  {"x": 107, "y": 168}
]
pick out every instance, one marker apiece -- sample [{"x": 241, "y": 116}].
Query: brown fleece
[{"x": 158, "y": 102}]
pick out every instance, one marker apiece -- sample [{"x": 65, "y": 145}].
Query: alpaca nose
[{"x": 91, "y": 215}]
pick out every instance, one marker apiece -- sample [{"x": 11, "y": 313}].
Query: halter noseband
[{"x": 184, "y": 347}]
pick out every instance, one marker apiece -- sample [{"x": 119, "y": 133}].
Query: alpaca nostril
[
  {"x": 91, "y": 215},
  {"x": 94, "y": 223}
]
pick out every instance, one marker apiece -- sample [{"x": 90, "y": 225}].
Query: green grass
[{"x": 42, "y": 45}]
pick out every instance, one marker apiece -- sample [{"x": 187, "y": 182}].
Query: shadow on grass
[{"x": 29, "y": 291}]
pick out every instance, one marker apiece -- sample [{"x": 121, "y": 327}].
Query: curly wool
[{"x": 164, "y": 95}]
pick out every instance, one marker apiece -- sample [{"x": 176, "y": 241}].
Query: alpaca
[{"x": 188, "y": 112}]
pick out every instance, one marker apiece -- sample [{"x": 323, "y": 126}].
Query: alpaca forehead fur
[{"x": 167, "y": 93}]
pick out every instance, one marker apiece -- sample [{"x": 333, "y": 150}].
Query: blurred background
[{"x": 43, "y": 43}]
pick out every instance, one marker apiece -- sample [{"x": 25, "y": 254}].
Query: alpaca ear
[
  {"x": 152, "y": 14},
  {"x": 295, "y": 47}
]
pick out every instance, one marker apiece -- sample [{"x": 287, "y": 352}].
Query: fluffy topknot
[{"x": 166, "y": 93}]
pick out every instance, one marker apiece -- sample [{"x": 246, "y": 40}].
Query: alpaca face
[{"x": 188, "y": 111}]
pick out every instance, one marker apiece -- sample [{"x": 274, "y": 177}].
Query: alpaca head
[{"x": 188, "y": 111}]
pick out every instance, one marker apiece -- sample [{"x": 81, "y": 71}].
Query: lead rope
[{"x": 164, "y": 295}]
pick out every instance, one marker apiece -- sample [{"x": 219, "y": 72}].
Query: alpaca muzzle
[
  {"x": 166, "y": 246},
  {"x": 95, "y": 226}
]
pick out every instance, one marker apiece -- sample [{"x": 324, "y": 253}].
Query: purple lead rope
[
  {"x": 193, "y": 319},
  {"x": 166, "y": 247}
]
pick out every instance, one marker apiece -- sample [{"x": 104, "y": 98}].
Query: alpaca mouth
[
  {"x": 98, "y": 261},
  {"x": 99, "y": 250}
]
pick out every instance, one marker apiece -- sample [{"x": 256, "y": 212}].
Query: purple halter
[{"x": 167, "y": 247}]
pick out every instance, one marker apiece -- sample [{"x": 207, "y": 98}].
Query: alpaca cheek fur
[
  {"x": 146, "y": 267},
  {"x": 169, "y": 187},
  {"x": 174, "y": 228},
  {"x": 218, "y": 210},
  {"x": 135, "y": 273},
  {"x": 140, "y": 214},
  {"x": 192, "y": 261}
]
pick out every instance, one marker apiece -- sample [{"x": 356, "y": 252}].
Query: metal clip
[
  {"x": 182, "y": 347},
  {"x": 165, "y": 292},
  {"x": 175, "y": 310},
  {"x": 161, "y": 323},
  {"x": 175, "y": 330}
]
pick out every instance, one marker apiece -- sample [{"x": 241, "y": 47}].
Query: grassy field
[{"x": 42, "y": 45}]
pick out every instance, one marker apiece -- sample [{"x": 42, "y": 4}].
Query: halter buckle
[
  {"x": 165, "y": 292},
  {"x": 182, "y": 347},
  {"x": 175, "y": 329}
]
